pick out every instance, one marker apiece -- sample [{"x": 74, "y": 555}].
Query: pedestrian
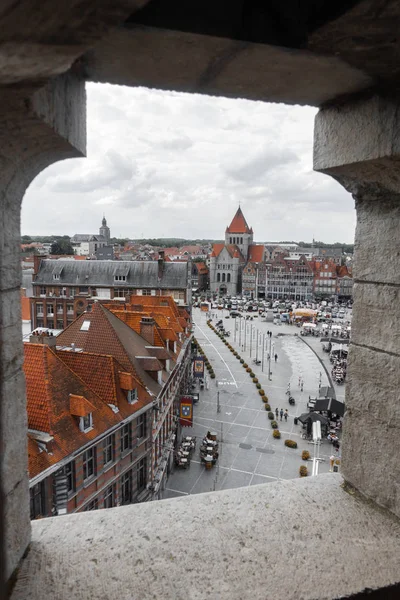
[
  {"x": 281, "y": 413},
  {"x": 276, "y": 357},
  {"x": 286, "y": 414},
  {"x": 299, "y": 380},
  {"x": 301, "y": 386},
  {"x": 277, "y": 412}
]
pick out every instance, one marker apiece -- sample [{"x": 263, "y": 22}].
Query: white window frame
[
  {"x": 82, "y": 423},
  {"x": 132, "y": 396}
]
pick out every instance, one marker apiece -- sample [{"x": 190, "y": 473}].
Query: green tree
[{"x": 61, "y": 247}]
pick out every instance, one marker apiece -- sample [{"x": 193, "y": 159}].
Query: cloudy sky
[{"x": 163, "y": 164}]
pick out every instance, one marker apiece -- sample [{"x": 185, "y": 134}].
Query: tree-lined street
[{"x": 249, "y": 454}]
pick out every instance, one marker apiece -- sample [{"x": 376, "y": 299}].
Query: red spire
[{"x": 239, "y": 224}]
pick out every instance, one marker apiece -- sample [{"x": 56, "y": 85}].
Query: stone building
[
  {"x": 228, "y": 260},
  {"x": 87, "y": 244},
  {"x": 63, "y": 289},
  {"x": 341, "y": 57}
]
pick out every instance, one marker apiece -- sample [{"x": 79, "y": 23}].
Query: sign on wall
[
  {"x": 198, "y": 366},
  {"x": 186, "y": 411}
]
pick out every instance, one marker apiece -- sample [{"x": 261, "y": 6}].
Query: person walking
[
  {"x": 276, "y": 357},
  {"x": 277, "y": 412},
  {"x": 286, "y": 414},
  {"x": 281, "y": 413}
]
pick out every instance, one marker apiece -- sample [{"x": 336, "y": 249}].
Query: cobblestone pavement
[{"x": 249, "y": 455}]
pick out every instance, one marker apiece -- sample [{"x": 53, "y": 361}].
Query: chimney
[
  {"x": 37, "y": 259},
  {"x": 161, "y": 260},
  {"x": 147, "y": 329}
]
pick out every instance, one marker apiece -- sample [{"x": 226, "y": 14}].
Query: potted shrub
[
  {"x": 248, "y": 370},
  {"x": 258, "y": 386},
  {"x": 255, "y": 380},
  {"x": 252, "y": 374},
  {"x": 303, "y": 471},
  {"x": 264, "y": 398},
  {"x": 276, "y": 434},
  {"x": 274, "y": 425},
  {"x": 212, "y": 376},
  {"x": 267, "y": 407},
  {"x": 305, "y": 455},
  {"x": 245, "y": 365},
  {"x": 271, "y": 416},
  {"x": 290, "y": 443},
  {"x": 242, "y": 361},
  {"x": 261, "y": 392}
]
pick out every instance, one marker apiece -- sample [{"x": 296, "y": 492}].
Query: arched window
[
  {"x": 223, "y": 276},
  {"x": 228, "y": 279},
  {"x": 241, "y": 240},
  {"x": 230, "y": 240},
  {"x": 218, "y": 276}
]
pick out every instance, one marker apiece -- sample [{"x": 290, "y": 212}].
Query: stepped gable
[{"x": 239, "y": 224}]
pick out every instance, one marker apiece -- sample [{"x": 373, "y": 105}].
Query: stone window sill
[{"x": 306, "y": 538}]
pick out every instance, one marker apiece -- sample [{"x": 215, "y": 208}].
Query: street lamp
[{"x": 269, "y": 335}]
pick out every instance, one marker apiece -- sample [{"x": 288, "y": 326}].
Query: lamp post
[
  {"x": 263, "y": 351},
  {"x": 269, "y": 334}
]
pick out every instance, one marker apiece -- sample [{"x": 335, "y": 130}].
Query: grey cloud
[{"x": 260, "y": 163}]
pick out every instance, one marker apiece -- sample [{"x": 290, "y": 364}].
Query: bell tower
[
  {"x": 239, "y": 233},
  {"x": 105, "y": 231}
]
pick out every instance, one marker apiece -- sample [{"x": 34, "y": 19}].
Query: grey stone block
[
  {"x": 371, "y": 441},
  {"x": 376, "y": 313}
]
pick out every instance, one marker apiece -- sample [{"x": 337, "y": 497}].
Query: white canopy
[{"x": 309, "y": 325}]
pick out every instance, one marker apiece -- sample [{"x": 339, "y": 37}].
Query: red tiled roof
[
  {"x": 256, "y": 253},
  {"x": 79, "y": 406},
  {"x": 216, "y": 249},
  {"x": 201, "y": 267},
  {"x": 239, "y": 224}
]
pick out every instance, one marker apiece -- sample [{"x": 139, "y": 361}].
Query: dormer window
[
  {"x": 132, "y": 396},
  {"x": 86, "y": 423},
  {"x": 56, "y": 276},
  {"x": 120, "y": 278}
]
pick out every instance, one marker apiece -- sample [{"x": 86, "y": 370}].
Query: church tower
[
  {"x": 105, "y": 231},
  {"x": 239, "y": 233}
]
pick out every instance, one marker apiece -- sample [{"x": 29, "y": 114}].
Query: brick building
[
  {"x": 199, "y": 276},
  {"x": 63, "y": 289},
  {"x": 289, "y": 278},
  {"x": 325, "y": 278}
]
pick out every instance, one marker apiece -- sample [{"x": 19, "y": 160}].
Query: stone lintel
[
  {"x": 305, "y": 538},
  {"x": 358, "y": 143},
  {"x": 188, "y": 62}
]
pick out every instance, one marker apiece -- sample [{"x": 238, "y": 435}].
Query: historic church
[{"x": 229, "y": 260}]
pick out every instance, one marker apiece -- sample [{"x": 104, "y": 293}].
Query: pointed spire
[{"x": 239, "y": 224}]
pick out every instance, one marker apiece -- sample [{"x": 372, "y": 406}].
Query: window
[
  {"x": 86, "y": 423},
  {"x": 70, "y": 308},
  {"x": 108, "y": 449},
  {"x": 39, "y": 308},
  {"x": 60, "y": 324},
  {"x": 85, "y": 326},
  {"x": 70, "y": 473},
  {"x": 223, "y": 276},
  {"x": 59, "y": 308},
  {"x": 42, "y": 290},
  {"x": 56, "y": 276},
  {"x": 141, "y": 426},
  {"x": 109, "y": 497},
  {"x": 83, "y": 290},
  {"x": 89, "y": 464},
  {"x": 120, "y": 278},
  {"x": 71, "y": 292},
  {"x": 119, "y": 293},
  {"x": 126, "y": 437},
  {"x": 132, "y": 396},
  {"x": 141, "y": 474},
  {"x": 93, "y": 505},
  {"x": 126, "y": 488},
  {"x": 37, "y": 500},
  {"x": 50, "y": 324},
  {"x": 241, "y": 240},
  {"x": 228, "y": 279},
  {"x": 50, "y": 309},
  {"x": 218, "y": 277},
  {"x": 146, "y": 292}
]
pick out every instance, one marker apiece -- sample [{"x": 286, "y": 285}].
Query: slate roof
[
  {"x": 139, "y": 274},
  {"x": 239, "y": 224}
]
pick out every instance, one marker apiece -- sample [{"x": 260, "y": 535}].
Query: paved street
[{"x": 249, "y": 455}]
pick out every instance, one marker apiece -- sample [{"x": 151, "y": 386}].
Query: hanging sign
[
  {"x": 198, "y": 366},
  {"x": 186, "y": 411}
]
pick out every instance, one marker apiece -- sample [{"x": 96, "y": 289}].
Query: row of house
[
  {"x": 240, "y": 266},
  {"x": 102, "y": 402}
]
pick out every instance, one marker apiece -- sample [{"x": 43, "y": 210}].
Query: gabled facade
[
  {"x": 228, "y": 260},
  {"x": 289, "y": 278},
  {"x": 88, "y": 431},
  {"x": 325, "y": 278}
]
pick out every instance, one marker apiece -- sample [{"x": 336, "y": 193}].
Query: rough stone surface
[
  {"x": 31, "y": 138},
  {"x": 371, "y": 441},
  {"x": 218, "y": 66},
  {"x": 371, "y": 163},
  {"x": 377, "y": 314},
  {"x": 277, "y": 540},
  {"x": 377, "y": 242}
]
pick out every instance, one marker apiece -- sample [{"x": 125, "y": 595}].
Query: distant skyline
[{"x": 164, "y": 164}]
